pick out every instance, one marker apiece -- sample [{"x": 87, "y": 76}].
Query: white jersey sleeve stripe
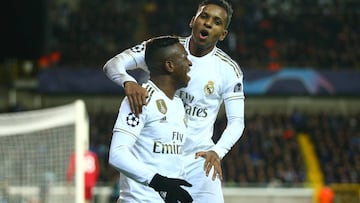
[
  {"x": 235, "y": 97},
  {"x": 227, "y": 59},
  {"x": 125, "y": 132},
  {"x": 150, "y": 91}
]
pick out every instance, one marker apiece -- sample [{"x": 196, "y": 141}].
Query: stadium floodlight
[{"x": 35, "y": 147}]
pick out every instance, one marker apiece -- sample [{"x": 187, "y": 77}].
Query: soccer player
[
  {"x": 92, "y": 169},
  {"x": 148, "y": 148},
  {"x": 215, "y": 78}
]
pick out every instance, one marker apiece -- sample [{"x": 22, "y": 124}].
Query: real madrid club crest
[
  {"x": 209, "y": 88},
  {"x": 160, "y": 103}
]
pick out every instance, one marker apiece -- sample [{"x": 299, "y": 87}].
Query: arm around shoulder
[
  {"x": 115, "y": 69},
  {"x": 129, "y": 59}
]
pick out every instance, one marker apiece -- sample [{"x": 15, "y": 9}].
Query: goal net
[{"x": 35, "y": 148}]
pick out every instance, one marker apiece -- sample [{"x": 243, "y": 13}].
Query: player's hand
[
  {"x": 170, "y": 189},
  {"x": 137, "y": 96},
  {"x": 211, "y": 160}
]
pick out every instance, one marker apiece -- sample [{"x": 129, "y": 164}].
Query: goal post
[{"x": 35, "y": 150}]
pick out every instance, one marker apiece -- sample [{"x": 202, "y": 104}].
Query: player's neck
[
  {"x": 198, "y": 50},
  {"x": 165, "y": 84}
]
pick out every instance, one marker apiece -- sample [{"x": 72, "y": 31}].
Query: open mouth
[{"x": 204, "y": 34}]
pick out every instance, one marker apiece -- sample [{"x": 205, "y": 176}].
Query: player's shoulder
[
  {"x": 225, "y": 58},
  {"x": 226, "y": 61},
  {"x": 152, "y": 90},
  {"x": 157, "y": 102},
  {"x": 138, "y": 48},
  {"x": 136, "y": 52}
]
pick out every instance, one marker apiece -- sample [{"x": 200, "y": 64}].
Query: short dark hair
[
  {"x": 222, "y": 3},
  {"x": 156, "y": 50}
]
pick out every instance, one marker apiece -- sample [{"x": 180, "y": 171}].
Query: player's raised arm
[{"x": 116, "y": 70}]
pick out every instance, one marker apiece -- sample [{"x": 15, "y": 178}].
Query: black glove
[{"x": 170, "y": 190}]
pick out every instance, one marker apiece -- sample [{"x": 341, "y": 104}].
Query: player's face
[
  {"x": 208, "y": 26},
  {"x": 181, "y": 66}
]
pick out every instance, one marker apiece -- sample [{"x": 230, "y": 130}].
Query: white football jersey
[
  {"x": 159, "y": 135},
  {"x": 215, "y": 77}
]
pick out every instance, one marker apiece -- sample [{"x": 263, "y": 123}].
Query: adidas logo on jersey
[{"x": 163, "y": 120}]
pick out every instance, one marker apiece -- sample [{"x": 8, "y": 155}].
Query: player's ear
[
  {"x": 223, "y": 35},
  {"x": 169, "y": 66},
  {"x": 192, "y": 22}
]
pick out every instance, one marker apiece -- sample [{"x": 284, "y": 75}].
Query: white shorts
[{"x": 203, "y": 189}]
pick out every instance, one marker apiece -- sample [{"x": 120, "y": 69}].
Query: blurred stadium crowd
[
  {"x": 263, "y": 34},
  {"x": 268, "y": 153},
  {"x": 271, "y": 34}
]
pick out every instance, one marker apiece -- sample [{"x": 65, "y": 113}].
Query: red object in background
[
  {"x": 43, "y": 62},
  {"x": 274, "y": 66},
  {"x": 270, "y": 43},
  {"x": 326, "y": 195},
  {"x": 48, "y": 60},
  {"x": 55, "y": 56},
  {"x": 288, "y": 134},
  {"x": 91, "y": 171}
]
